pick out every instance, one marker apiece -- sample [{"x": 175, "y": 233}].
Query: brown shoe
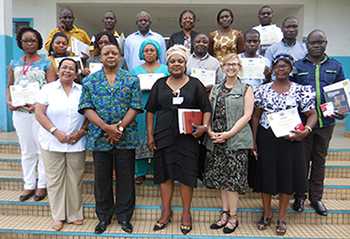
[
  {"x": 40, "y": 194},
  {"x": 26, "y": 195},
  {"x": 57, "y": 225}
]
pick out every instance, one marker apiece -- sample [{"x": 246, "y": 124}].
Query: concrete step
[
  {"x": 203, "y": 209},
  {"x": 335, "y": 188},
  {"x": 334, "y": 169},
  {"x": 30, "y": 227}
]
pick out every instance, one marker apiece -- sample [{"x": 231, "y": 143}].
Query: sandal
[
  {"x": 264, "y": 222},
  {"x": 185, "y": 229},
  {"x": 78, "y": 222},
  {"x": 57, "y": 225},
  {"x": 231, "y": 225},
  {"x": 160, "y": 226},
  {"x": 281, "y": 228},
  {"x": 224, "y": 216}
]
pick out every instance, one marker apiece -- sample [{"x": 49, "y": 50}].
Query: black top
[
  {"x": 179, "y": 38},
  {"x": 160, "y": 101}
]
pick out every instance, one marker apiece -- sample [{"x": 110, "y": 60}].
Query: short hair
[
  {"x": 289, "y": 18},
  {"x": 57, "y": 34},
  {"x": 110, "y": 11},
  {"x": 199, "y": 34},
  {"x": 65, "y": 9},
  {"x": 143, "y": 13},
  {"x": 314, "y": 31},
  {"x": 224, "y": 10},
  {"x": 110, "y": 36},
  {"x": 183, "y": 13},
  {"x": 229, "y": 57},
  {"x": 265, "y": 6},
  {"x": 28, "y": 29},
  {"x": 251, "y": 31},
  {"x": 69, "y": 59}
]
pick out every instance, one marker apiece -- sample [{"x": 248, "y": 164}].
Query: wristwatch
[{"x": 52, "y": 129}]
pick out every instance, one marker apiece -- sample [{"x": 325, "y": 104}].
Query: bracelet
[
  {"x": 308, "y": 128},
  {"x": 52, "y": 129}
]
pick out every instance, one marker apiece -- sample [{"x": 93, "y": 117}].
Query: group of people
[{"x": 133, "y": 132}]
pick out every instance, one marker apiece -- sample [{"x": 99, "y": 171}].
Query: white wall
[{"x": 331, "y": 16}]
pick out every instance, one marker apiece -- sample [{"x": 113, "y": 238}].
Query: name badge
[{"x": 178, "y": 100}]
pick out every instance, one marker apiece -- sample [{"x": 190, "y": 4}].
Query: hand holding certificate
[
  {"x": 148, "y": 80},
  {"x": 187, "y": 118},
  {"x": 23, "y": 95},
  {"x": 284, "y": 122},
  {"x": 79, "y": 48},
  {"x": 207, "y": 77},
  {"x": 253, "y": 68}
]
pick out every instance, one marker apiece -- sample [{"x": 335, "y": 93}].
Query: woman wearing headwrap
[
  {"x": 150, "y": 70},
  {"x": 176, "y": 155}
]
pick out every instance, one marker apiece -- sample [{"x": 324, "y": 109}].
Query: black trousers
[
  {"x": 123, "y": 162},
  {"x": 316, "y": 149}
]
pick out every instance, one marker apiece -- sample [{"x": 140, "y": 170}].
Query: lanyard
[
  {"x": 26, "y": 66},
  {"x": 318, "y": 94}
]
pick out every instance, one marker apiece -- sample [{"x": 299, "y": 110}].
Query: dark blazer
[{"x": 179, "y": 37}]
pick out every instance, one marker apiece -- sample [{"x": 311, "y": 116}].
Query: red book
[{"x": 188, "y": 117}]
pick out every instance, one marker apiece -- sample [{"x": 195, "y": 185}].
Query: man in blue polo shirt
[{"x": 317, "y": 70}]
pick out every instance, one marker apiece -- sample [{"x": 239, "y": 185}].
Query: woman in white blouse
[{"x": 62, "y": 144}]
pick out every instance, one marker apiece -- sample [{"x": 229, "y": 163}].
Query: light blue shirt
[
  {"x": 132, "y": 46},
  {"x": 297, "y": 51}
]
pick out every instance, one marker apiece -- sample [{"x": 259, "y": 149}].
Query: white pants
[{"x": 27, "y": 129}]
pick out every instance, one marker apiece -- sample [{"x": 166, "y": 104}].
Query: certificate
[
  {"x": 268, "y": 35},
  {"x": 24, "y": 94},
  {"x": 283, "y": 122},
  {"x": 76, "y": 58},
  {"x": 253, "y": 68},
  {"x": 148, "y": 80},
  {"x": 94, "y": 67},
  {"x": 207, "y": 77},
  {"x": 79, "y": 47}
]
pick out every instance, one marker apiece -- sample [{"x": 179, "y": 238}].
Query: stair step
[
  {"x": 335, "y": 188},
  {"x": 40, "y": 228},
  {"x": 334, "y": 169},
  {"x": 204, "y": 210}
]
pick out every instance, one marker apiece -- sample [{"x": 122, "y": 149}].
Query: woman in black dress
[
  {"x": 281, "y": 167},
  {"x": 176, "y": 155}
]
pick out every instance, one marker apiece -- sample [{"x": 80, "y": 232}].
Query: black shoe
[
  {"x": 319, "y": 207},
  {"x": 101, "y": 227},
  {"x": 26, "y": 195},
  {"x": 298, "y": 205},
  {"x": 126, "y": 226},
  {"x": 227, "y": 229}
]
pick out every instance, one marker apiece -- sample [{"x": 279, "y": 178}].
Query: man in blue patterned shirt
[{"x": 111, "y": 99}]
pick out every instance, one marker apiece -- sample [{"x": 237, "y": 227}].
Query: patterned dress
[{"x": 226, "y": 169}]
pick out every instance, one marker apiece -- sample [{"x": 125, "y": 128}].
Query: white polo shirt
[{"x": 62, "y": 110}]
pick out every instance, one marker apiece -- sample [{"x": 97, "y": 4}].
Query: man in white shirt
[
  {"x": 269, "y": 33},
  {"x": 134, "y": 40},
  {"x": 202, "y": 61}
]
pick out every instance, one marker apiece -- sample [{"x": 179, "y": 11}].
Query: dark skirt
[
  {"x": 178, "y": 161},
  {"x": 281, "y": 166}
]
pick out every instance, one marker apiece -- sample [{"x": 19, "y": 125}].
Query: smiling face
[
  {"x": 201, "y": 45},
  {"x": 67, "y": 72},
  {"x": 282, "y": 69},
  {"x": 225, "y": 19},
  {"x": 30, "y": 43},
  {"x": 60, "y": 45},
  {"x": 109, "y": 21},
  {"x": 187, "y": 21},
  {"x": 110, "y": 56},
  {"x": 150, "y": 53},
  {"x": 176, "y": 65},
  {"x": 232, "y": 67}
]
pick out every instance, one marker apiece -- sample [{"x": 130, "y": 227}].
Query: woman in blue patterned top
[
  {"x": 30, "y": 70},
  {"x": 149, "y": 52},
  {"x": 111, "y": 99}
]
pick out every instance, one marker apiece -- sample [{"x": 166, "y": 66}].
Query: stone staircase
[{"x": 32, "y": 219}]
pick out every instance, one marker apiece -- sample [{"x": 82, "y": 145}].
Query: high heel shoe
[
  {"x": 160, "y": 226},
  {"x": 185, "y": 229},
  {"x": 231, "y": 226}
]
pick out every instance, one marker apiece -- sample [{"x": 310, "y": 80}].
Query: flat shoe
[
  {"x": 78, "y": 222},
  {"x": 281, "y": 228},
  {"x": 40, "y": 194},
  {"x": 263, "y": 223},
  {"x": 227, "y": 229},
  {"x": 225, "y": 215},
  {"x": 26, "y": 195}
]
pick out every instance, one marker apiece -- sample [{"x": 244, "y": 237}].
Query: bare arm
[
  {"x": 150, "y": 138},
  {"x": 310, "y": 122},
  {"x": 51, "y": 74},
  {"x": 11, "y": 80}
]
